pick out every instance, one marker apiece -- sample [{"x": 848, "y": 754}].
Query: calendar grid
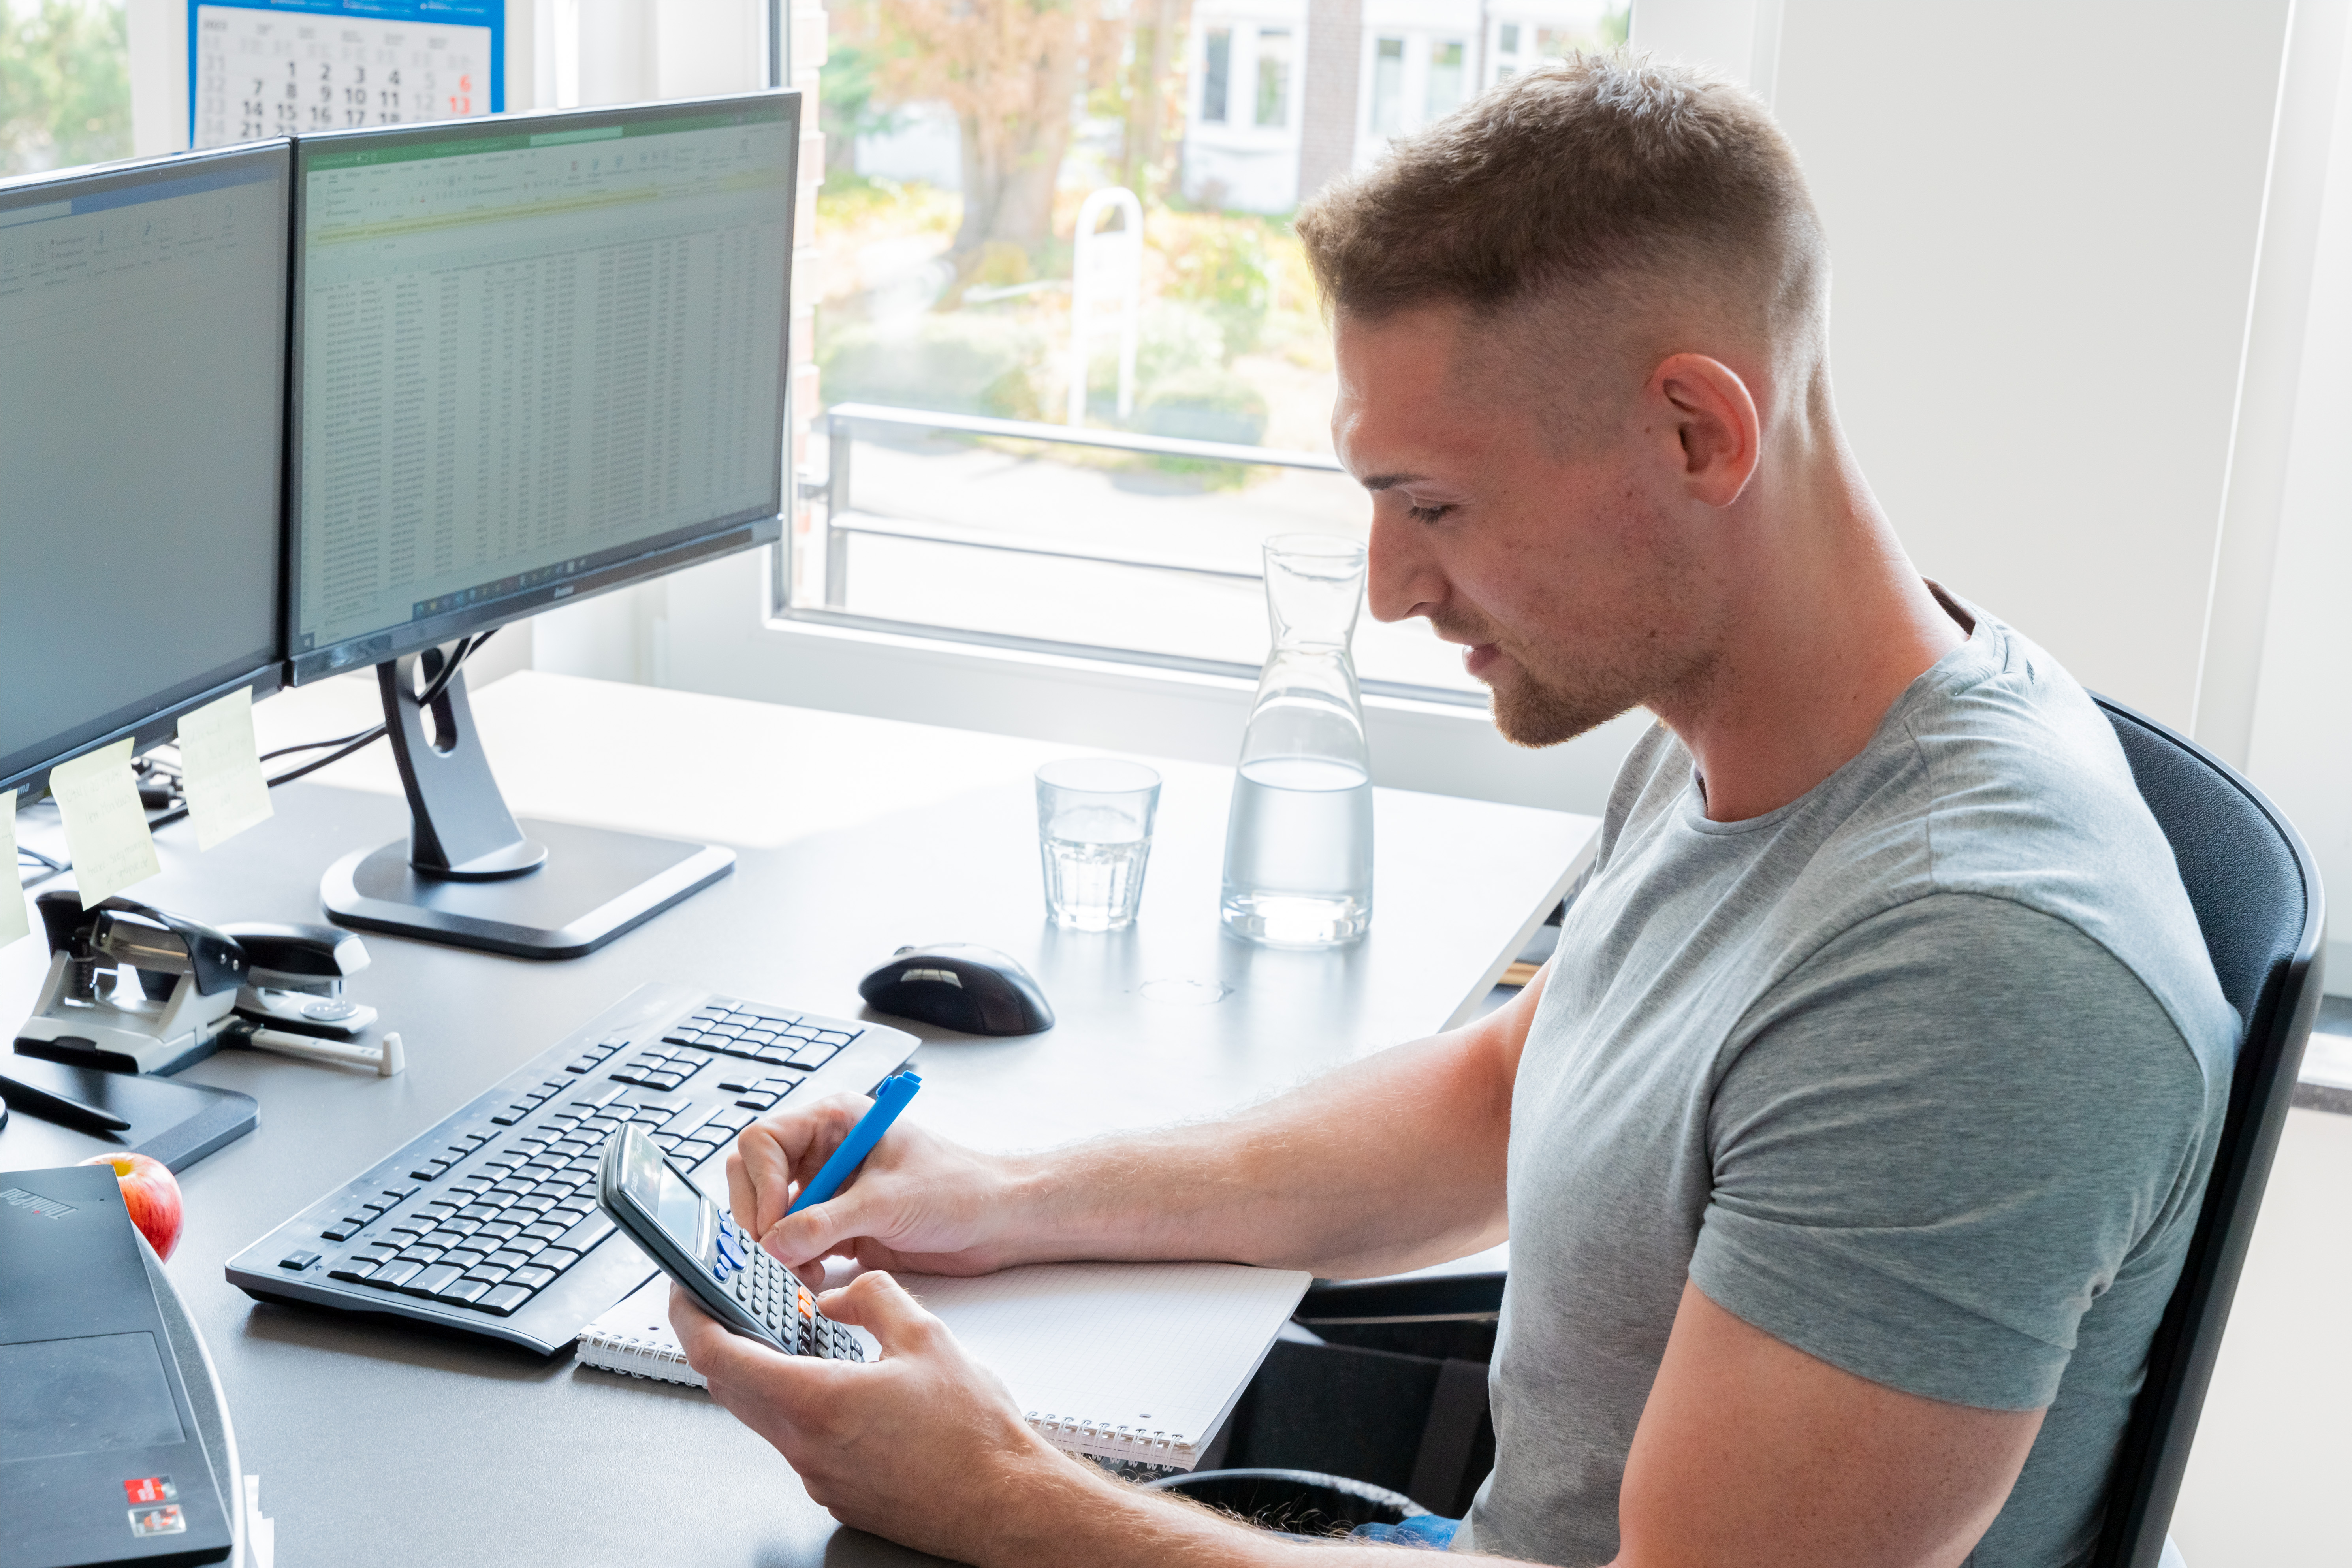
[{"x": 299, "y": 70}]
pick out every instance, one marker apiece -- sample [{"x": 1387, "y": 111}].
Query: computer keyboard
[{"x": 488, "y": 1223}]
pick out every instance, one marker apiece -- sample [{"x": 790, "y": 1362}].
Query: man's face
[{"x": 1559, "y": 562}]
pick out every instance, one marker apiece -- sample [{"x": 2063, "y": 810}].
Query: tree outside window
[{"x": 65, "y": 84}]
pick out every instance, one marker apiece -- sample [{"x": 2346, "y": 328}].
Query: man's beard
[{"x": 1536, "y": 709}]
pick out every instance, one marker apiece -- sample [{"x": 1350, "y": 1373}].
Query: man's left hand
[{"x": 924, "y": 1446}]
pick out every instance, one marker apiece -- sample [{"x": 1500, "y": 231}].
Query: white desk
[{"x": 377, "y": 1442}]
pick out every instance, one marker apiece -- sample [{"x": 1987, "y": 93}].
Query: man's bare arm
[
  {"x": 1389, "y": 1164},
  {"x": 1750, "y": 1451}
]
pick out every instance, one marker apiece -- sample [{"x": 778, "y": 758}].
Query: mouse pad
[{"x": 178, "y": 1124}]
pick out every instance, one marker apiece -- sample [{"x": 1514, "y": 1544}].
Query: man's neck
[{"x": 1823, "y": 641}]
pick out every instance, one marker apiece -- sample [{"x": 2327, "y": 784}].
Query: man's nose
[{"x": 1403, "y": 580}]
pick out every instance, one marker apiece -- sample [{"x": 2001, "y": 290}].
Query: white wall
[{"x": 2302, "y": 749}]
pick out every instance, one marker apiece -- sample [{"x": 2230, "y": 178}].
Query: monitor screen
[
  {"x": 536, "y": 357},
  {"x": 143, "y": 334}
]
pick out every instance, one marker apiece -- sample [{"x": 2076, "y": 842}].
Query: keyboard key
[
  {"x": 352, "y": 1269},
  {"x": 532, "y": 1204},
  {"x": 463, "y": 1292},
  {"x": 514, "y": 1113},
  {"x": 431, "y": 1281},
  {"x": 693, "y": 1152},
  {"x": 586, "y": 1234},
  {"x": 373, "y": 1254},
  {"x": 488, "y": 1273},
  {"x": 776, "y": 1055},
  {"x": 813, "y": 1057},
  {"x": 342, "y": 1229},
  {"x": 392, "y": 1276},
  {"x": 498, "y": 1229},
  {"x": 421, "y": 1254},
  {"x": 531, "y": 1277},
  {"x": 585, "y": 1064},
  {"x": 545, "y": 1230},
  {"x": 501, "y": 1300},
  {"x": 465, "y": 1256},
  {"x": 483, "y": 1212},
  {"x": 460, "y": 1227},
  {"x": 556, "y": 1258},
  {"x": 428, "y": 1170}
]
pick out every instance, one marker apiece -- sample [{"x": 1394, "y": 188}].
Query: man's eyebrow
[{"x": 1389, "y": 481}]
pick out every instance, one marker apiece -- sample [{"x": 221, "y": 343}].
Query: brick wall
[{"x": 1327, "y": 140}]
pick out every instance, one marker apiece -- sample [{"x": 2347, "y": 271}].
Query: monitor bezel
[
  {"x": 154, "y": 721},
  {"x": 691, "y": 546}
]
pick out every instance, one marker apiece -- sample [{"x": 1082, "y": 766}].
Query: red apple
[{"x": 150, "y": 1195}]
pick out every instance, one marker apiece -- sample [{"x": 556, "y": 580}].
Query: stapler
[
  {"x": 293, "y": 1003},
  {"x": 297, "y": 980},
  {"x": 130, "y": 988}
]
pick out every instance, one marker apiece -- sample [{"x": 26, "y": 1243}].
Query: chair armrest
[{"x": 1450, "y": 1297}]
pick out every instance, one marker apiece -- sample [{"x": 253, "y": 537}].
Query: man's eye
[{"x": 1427, "y": 513}]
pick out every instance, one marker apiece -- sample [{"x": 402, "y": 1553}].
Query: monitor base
[{"x": 594, "y": 884}]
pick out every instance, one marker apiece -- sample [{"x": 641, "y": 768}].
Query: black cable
[
  {"x": 359, "y": 739},
  {"x": 52, "y": 861}
]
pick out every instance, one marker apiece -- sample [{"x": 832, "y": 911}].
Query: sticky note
[
  {"x": 14, "y": 923},
  {"x": 220, "y": 769},
  {"x": 106, "y": 832}
]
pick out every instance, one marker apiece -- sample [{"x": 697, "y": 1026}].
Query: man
[{"x": 1849, "y": 1146}]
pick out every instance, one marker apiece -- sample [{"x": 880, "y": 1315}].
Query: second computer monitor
[{"x": 534, "y": 358}]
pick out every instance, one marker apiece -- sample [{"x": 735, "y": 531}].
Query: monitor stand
[{"x": 468, "y": 874}]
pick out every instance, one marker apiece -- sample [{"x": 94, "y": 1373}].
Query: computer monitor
[
  {"x": 142, "y": 353},
  {"x": 536, "y": 357}
]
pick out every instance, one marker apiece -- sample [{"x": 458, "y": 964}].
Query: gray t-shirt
[{"x": 1920, "y": 1073}]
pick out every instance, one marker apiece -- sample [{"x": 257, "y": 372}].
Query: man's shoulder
[{"x": 2008, "y": 783}]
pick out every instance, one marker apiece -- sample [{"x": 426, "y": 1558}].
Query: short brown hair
[{"x": 1591, "y": 171}]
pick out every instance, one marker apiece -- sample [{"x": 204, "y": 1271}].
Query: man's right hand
[{"x": 918, "y": 1203}]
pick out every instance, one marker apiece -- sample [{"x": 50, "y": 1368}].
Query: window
[
  {"x": 1273, "y": 76},
  {"x": 1072, "y": 366},
  {"x": 1444, "y": 93},
  {"x": 1388, "y": 87},
  {"x": 1217, "y": 75},
  {"x": 67, "y": 65}
]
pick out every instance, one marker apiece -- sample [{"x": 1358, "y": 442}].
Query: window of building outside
[
  {"x": 1217, "y": 77},
  {"x": 1273, "y": 76},
  {"x": 965, "y": 140}
]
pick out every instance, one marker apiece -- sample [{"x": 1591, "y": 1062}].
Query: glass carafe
[{"x": 1299, "y": 843}]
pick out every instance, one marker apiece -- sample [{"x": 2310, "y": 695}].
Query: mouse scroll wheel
[{"x": 939, "y": 976}]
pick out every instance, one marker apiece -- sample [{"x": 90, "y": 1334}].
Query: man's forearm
[{"x": 1389, "y": 1164}]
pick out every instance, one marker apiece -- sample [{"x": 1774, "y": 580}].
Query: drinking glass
[{"x": 1094, "y": 836}]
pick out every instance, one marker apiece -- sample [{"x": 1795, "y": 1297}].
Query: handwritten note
[
  {"x": 13, "y": 921},
  {"x": 220, "y": 769},
  {"x": 106, "y": 832}
]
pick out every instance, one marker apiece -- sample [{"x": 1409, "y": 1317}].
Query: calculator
[{"x": 696, "y": 1244}]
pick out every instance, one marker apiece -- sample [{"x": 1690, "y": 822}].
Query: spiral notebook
[{"x": 1134, "y": 1361}]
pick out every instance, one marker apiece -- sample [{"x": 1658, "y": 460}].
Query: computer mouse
[{"x": 958, "y": 986}]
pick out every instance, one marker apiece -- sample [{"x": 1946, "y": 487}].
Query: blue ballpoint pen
[{"x": 888, "y": 1100}]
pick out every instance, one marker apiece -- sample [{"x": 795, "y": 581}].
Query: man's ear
[{"x": 1707, "y": 410}]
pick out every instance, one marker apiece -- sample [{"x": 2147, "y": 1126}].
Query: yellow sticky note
[
  {"x": 220, "y": 768},
  {"x": 13, "y": 921},
  {"x": 106, "y": 832}
]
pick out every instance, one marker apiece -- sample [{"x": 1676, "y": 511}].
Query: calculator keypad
[{"x": 774, "y": 1295}]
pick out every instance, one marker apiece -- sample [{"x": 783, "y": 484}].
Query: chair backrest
[{"x": 2258, "y": 903}]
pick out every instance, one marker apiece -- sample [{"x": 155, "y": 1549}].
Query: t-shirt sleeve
[{"x": 1940, "y": 1140}]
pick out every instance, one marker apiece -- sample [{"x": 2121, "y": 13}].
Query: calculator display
[{"x": 672, "y": 1201}]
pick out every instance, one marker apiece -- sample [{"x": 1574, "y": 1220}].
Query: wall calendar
[{"x": 306, "y": 65}]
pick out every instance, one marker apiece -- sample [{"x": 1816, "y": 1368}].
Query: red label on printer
[{"x": 149, "y": 1489}]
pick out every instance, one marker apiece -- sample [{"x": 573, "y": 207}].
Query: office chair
[{"x": 2257, "y": 899}]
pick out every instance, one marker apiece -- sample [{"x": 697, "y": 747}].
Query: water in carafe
[{"x": 1298, "y": 841}]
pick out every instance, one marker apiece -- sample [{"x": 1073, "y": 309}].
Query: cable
[{"x": 358, "y": 740}]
